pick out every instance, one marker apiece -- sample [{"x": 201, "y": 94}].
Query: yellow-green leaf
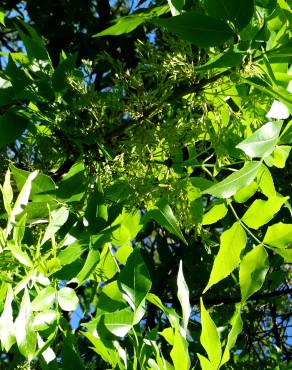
[
  {"x": 210, "y": 338},
  {"x": 253, "y": 269},
  {"x": 262, "y": 211},
  {"x": 232, "y": 242}
]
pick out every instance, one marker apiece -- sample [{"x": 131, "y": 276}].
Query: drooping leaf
[
  {"x": 7, "y": 335},
  {"x": 253, "y": 269},
  {"x": 131, "y": 22},
  {"x": 261, "y": 212},
  {"x": 134, "y": 280},
  {"x": 179, "y": 353},
  {"x": 204, "y": 362},
  {"x": 183, "y": 296},
  {"x": 215, "y": 214},
  {"x": 210, "y": 338},
  {"x": 198, "y": 29},
  {"x": 24, "y": 333},
  {"x": 237, "y": 180},
  {"x": 93, "y": 258},
  {"x": 265, "y": 182},
  {"x": 239, "y": 13},
  {"x": 67, "y": 299},
  {"x": 232, "y": 242},
  {"x": 236, "y": 328},
  {"x": 263, "y": 141},
  {"x": 22, "y": 199}
]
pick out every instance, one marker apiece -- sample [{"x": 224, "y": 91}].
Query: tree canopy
[{"x": 145, "y": 219}]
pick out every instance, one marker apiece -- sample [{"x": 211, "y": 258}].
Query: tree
[{"x": 146, "y": 220}]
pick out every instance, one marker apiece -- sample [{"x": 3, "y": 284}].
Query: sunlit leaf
[
  {"x": 67, "y": 299},
  {"x": 236, "y": 328},
  {"x": 263, "y": 141},
  {"x": 183, "y": 296},
  {"x": 237, "y": 180},
  {"x": 134, "y": 279},
  {"x": 232, "y": 242},
  {"x": 25, "y": 335},
  {"x": 253, "y": 269},
  {"x": 215, "y": 214},
  {"x": 261, "y": 212},
  {"x": 210, "y": 338},
  {"x": 7, "y": 335}
]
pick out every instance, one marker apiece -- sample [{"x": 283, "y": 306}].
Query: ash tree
[{"x": 145, "y": 218}]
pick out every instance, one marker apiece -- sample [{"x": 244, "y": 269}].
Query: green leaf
[
  {"x": 232, "y": 242},
  {"x": 179, "y": 353},
  {"x": 22, "y": 199},
  {"x": 60, "y": 75},
  {"x": 210, "y": 338},
  {"x": 7, "y": 336},
  {"x": 265, "y": 182},
  {"x": 111, "y": 299},
  {"x": 119, "y": 323},
  {"x": 72, "y": 186},
  {"x": 67, "y": 299},
  {"x": 263, "y": 141},
  {"x": 42, "y": 187},
  {"x": 230, "y": 58},
  {"x": 237, "y": 180},
  {"x": 197, "y": 28},
  {"x": 236, "y": 328},
  {"x": 134, "y": 280},
  {"x": 165, "y": 217},
  {"x": 129, "y": 226},
  {"x": 242, "y": 195},
  {"x": 205, "y": 363},
  {"x": 44, "y": 299},
  {"x": 261, "y": 212},
  {"x": 239, "y": 13},
  {"x": 70, "y": 354},
  {"x": 279, "y": 156},
  {"x": 19, "y": 254},
  {"x": 103, "y": 348},
  {"x": 94, "y": 259},
  {"x": 124, "y": 25},
  {"x": 44, "y": 319},
  {"x": 57, "y": 220},
  {"x": 33, "y": 43},
  {"x": 253, "y": 269},
  {"x": 215, "y": 214},
  {"x": 7, "y": 192},
  {"x": 183, "y": 297},
  {"x": 279, "y": 235},
  {"x": 2, "y": 16},
  {"x": 25, "y": 335},
  {"x": 12, "y": 127},
  {"x": 131, "y": 22}
]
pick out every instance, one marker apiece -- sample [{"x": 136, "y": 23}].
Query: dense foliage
[{"x": 145, "y": 175}]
